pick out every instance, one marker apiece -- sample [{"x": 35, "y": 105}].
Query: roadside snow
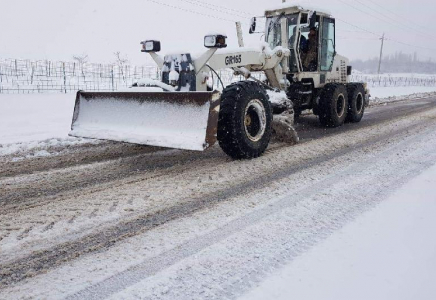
[
  {"x": 31, "y": 121},
  {"x": 388, "y": 253},
  {"x": 388, "y": 94},
  {"x": 35, "y": 117}
]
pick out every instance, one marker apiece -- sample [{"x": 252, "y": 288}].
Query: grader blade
[{"x": 182, "y": 120}]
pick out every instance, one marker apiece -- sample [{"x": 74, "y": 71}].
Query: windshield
[{"x": 274, "y": 32}]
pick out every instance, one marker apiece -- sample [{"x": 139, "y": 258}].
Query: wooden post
[
  {"x": 112, "y": 76},
  {"x": 381, "y": 53},
  {"x": 65, "y": 77}
]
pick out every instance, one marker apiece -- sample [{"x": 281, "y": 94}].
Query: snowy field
[
  {"x": 385, "y": 94},
  {"x": 29, "y": 121},
  {"x": 34, "y": 117}
]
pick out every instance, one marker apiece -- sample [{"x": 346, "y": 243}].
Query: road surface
[{"x": 112, "y": 220}]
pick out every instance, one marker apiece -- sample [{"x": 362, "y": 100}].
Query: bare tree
[
  {"x": 81, "y": 60},
  {"x": 121, "y": 61}
]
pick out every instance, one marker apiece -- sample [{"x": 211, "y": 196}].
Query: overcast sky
[{"x": 59, "y": 29}]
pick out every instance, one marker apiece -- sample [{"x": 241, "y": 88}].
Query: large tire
[
  {"x": 245, "y": 120},
  {"x": 356, "y": 102},
  {"x": 333, "y": 105}
]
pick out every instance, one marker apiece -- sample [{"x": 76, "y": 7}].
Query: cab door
[{"x": 328, "y": 44}]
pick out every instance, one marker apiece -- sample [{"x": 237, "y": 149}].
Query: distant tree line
[{"x": 396, "y": 63}]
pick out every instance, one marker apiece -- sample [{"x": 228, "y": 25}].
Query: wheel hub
[
  {"x": 247, "y": 121},
  {"x": 359, "y": 103},
  {"x": 340, "y": 105},
  {"x": 255, "y": 120}
]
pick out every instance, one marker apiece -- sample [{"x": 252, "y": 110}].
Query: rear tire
[
  {"x": 245, "y": 120},
  {"x": 356, "y": 102},
  {"x": 333, "y": 106}
]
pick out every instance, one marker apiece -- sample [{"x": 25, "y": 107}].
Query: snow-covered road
[
  {"x": 94, "y": 221},
  {"x": 387, "y": 253}
]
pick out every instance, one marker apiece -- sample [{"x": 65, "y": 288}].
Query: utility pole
[{"x": 381, "y": 53}]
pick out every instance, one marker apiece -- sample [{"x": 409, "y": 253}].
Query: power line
[
  {"x": 210, "y": 5},
  {"x": 358, "y": 9},
  {"x": 406, "y": 44},
  {"x": 388, "y": 39},
  {"x": 371, "y": 15},
  {"x": 356, "y": 38},
  {"x": 190, "y": 11},
  {"x": 362, "y": 29},
  {"x": 397, "y": 23},
  {"x": 395, "y": 14},
  {"x": 229, "y": 20}
]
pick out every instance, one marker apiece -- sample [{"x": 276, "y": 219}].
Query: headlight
[
  {"x": 215, "y": 41},
  {"x": 150, "y": 46}
]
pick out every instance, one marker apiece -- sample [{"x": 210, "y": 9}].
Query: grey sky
[{"x": 58, "y": 29}]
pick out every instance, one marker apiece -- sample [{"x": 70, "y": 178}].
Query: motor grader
[{"x": 183, "y": 111}]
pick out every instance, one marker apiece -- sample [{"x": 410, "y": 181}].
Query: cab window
[{"x": 327, "y": 44}]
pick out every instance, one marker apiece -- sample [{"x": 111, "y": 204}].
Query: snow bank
[
  {"x": 278, "y": 97},
  {"x": 35, "y": 117},
  {"x": 34, "y": 146},
  {"x": 146, "y": 82},
  {"x": 36, "y": 121},
  {"x": 390, "y": 94}
]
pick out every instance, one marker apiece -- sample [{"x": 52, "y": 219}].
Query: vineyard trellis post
[
  {"x": 112, "y": 77},
  {"x": 65, "y": 77}
]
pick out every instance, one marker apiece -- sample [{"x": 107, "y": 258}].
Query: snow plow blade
[{"x": 181, "y": 120}]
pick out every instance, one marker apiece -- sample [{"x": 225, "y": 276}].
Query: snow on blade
[{"x": 141, "y": 120}]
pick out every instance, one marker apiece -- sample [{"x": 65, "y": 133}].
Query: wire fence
[
  {"x": 27, "y": 76},
  {"x": 395, "y": 81}
]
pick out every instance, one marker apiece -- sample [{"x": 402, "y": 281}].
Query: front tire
[
  {"x": 333, "y": 105},
  {"x": 245, "y": 120}
]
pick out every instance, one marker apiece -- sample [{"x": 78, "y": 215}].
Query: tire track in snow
[
  {"x": 25, "y": 163},
  {"x": 150, "y": 267},
  {"x": 44, "y": 260},
  {"x": 40, "y": 188},
  {"x": 36, "y": 192}
]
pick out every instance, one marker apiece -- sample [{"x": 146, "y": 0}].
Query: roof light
[
  {"x": 215, "y": 41},
  {"x": 150, "y": 46}
]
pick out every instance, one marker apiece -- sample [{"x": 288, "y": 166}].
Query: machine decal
[{"x": 235, "y": 59}]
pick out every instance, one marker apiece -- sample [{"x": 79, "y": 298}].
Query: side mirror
[{"x": 253, "y": 25}]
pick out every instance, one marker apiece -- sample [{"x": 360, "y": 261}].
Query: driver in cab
[{"x": 310, "y": 51}]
